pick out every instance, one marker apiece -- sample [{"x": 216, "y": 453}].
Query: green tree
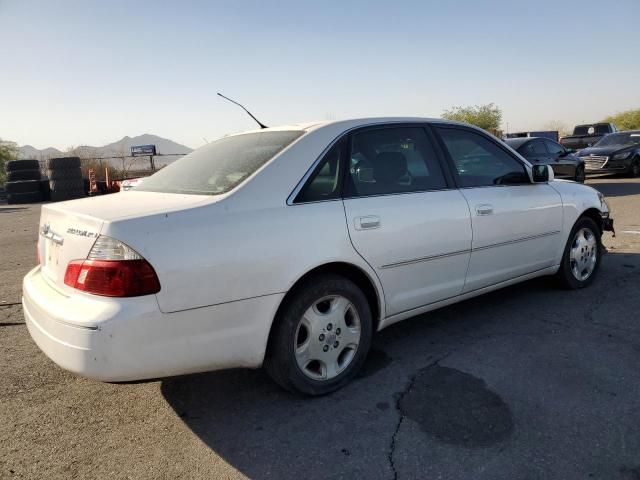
[
  {"x": 8, "y": 151},
  {"x": 627, "y": 120},
  {"x": 487, "y": 116}
]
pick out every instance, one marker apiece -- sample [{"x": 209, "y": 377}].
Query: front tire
[
  {"x": 582, "y": 255},
  {"x": 580, "y": 175},
  {"x": 634, "y": 168},
  {"x": 321, "y": 336}
]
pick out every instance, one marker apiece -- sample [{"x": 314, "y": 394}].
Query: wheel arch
[
  {"x": 348, "y": 270},
  {"x": 594, "y": 214}
]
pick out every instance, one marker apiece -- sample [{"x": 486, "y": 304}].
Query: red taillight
[{"x": 112, "y": 278}]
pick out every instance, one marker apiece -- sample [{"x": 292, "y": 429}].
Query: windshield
[
  {"x": 625, "y": 138},
  {"x": 220, "y": 166}
]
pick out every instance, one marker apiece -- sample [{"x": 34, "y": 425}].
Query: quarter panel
[{"x": 223, "y": 252}]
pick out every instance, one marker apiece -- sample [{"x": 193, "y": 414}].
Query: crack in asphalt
[
  {"x": 399, "y": 397},
  {"x": 10, "y": 304}
]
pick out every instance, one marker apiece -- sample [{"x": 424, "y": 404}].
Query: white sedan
[{"x": 289, "y": 247}]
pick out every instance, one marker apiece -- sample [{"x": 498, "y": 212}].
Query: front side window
[
  {"x": 392, "y": 160},
  {"x": 220, "y": 166},
  {"x": 479, "y": 161}
]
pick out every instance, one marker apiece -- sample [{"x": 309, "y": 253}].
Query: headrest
[{"x": 389, "y": 167}]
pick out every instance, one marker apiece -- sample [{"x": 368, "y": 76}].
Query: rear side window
[
  {"x": 220, "y": 166},
  {"x": 532, "y": 148},
  {"x": 324, "y": 183},
  {"x": 392, "y": 160},
  {"x": 479, "y": 161}
]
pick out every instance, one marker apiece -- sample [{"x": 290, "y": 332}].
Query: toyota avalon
[{"x": 290, "y": 247}]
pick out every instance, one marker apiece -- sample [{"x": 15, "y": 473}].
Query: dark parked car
[
  {"x": 615, "y": 153},
  {"x": 543, "y": 151},
  {"x": 586, "y": 135}
]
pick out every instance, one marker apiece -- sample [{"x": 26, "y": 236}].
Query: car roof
[
  {"x": 352, "y": 123},
  {"x": 517, "y": 142}
]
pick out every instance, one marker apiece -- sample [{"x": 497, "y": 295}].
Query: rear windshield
[
  {"x": 597, "y": 128},
  {"x": 220, "y": 166}
]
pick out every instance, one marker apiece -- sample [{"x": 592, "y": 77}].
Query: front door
[
  {"x": 404, "y": 218},
  {"x": 516, "y": 224},
  {"x": 563, "y": 165}
]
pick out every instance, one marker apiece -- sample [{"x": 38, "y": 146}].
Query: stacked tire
[
  {"x": 65, "y": 178},
  {"x": 23, "y": 181}
]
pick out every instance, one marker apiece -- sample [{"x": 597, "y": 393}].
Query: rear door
[
  {"x": 404, "y": 216},
  {"x": 516, "y": 224}
]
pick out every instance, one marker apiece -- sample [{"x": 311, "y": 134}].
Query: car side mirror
[
  {"x": 541, "y": 173},
  {"x": 569, "y": 151}
]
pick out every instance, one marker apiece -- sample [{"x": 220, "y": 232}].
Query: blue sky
[{"x": 91, "y": 72}]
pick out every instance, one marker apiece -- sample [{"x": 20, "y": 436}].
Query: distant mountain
[
  {"x": 27, "y": 151},
  {"x": 164, "y": 147}
]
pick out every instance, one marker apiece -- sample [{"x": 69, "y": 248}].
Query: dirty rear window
[
  {"x": 595, "y": 129},
  {"x": 219, "y": 166}
]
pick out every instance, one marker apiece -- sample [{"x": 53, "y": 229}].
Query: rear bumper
[{"x": 130, "y": 339}]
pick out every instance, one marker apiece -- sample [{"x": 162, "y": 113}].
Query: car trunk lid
[
  {"x": 68, "y": 230},
  {"x": 64, "y": 235}
]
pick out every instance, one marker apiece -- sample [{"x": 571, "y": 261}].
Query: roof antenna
[{"x": 262, "y": 125}]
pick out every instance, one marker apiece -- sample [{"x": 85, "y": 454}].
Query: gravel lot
[{"x": 527, "y": 382}]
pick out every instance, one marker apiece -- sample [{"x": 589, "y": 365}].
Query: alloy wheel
[
  {"x": 584, "y": 254},
  {"x": 327, "y": 337}
]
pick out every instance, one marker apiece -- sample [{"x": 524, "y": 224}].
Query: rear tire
[
  {"x": 582, "y": 255},
  {"x": 321, "y": 336}
]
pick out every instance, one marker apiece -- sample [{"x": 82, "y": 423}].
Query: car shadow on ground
[
  {"x": 617, "y": 189},
  {"x": 265, "y": 432}
]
